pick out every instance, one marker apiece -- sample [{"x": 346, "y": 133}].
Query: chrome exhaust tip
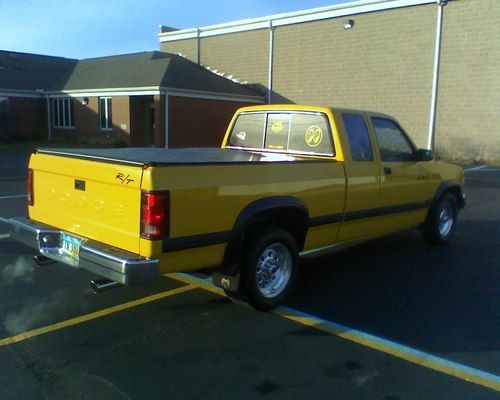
[
  {"x": 41, "y": 260},
  {"x": 103, "y": 285}
]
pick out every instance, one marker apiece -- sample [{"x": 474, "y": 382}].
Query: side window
[
  {"x": 310, "y": 133},
  {"x": 359, "y": 138},
  {"x": 248, "y": 131},
  {"x": 391, "y": 140}
]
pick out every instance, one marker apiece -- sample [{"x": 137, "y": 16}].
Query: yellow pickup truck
[{"x": 288, "y": 181}]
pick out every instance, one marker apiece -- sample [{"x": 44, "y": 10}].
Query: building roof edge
[{"x": 313, "y": 14}]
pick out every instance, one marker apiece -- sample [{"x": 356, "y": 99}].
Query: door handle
[{"x": 387, "y": 170}]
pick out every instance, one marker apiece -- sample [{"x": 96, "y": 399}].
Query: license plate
[{"x": 70, "y": 246}]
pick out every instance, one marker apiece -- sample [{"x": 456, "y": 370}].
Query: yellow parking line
[
  {"x": 191, "y": 280},
  {"x": 97, "y": 314},
  {"x": 406, "y": 353}
]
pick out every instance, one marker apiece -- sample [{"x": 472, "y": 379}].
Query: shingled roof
[
  {"x": 24, "y": 71},
  {"x": 139, "y": 70}
]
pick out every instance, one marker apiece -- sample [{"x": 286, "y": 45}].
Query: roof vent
[{"x": 165, "y": 29}]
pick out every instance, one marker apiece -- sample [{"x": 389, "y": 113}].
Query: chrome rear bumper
[{"x": 110, "y": 262}]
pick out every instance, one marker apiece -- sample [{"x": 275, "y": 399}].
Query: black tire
[
  {"x": 442, "y": 220},
  {"x": 270, "y": 269}
]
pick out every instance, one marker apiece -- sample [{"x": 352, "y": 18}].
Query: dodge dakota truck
[{"x": 288, "y": 181}]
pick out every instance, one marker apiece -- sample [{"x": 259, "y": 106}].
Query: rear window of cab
[{"x": 290, "y": 132}]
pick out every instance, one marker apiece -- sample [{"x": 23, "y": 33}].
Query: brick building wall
[
  {"x": 468, "y": 120},
  {"x": 242, "y": 54},
  {"x": 384, "y": 63},
  {"x": 86, "y": 122},
  {"x": 141, "y": 124},
  {"x": 26, "y": 119},
  {"x": 199, "y": 122},
  {"x": 188, "y": 48},
  {"x": 238, "y": 49}
]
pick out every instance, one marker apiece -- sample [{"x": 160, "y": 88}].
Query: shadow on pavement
[{"x": 438, "y": 299}]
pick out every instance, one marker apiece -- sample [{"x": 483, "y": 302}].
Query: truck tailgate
[{"x": 93, "y": 199}]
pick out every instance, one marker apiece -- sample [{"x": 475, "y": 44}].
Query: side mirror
[{"x": 423, "y": 155}]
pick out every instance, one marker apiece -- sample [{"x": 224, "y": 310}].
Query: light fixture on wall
[
  {"x": 85, "y": 101},
  {"x": 348, "y": 23}
]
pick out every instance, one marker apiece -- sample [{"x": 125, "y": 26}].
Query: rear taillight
[
  {"x": 155, "y": 208},
  {"x": 29, "y": 188}
]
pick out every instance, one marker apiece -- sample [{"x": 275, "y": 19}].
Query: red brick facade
[
  {"x": 199, "y": 122},
  {"x": 136, "y": 121},
  {"x": 86, "y": 122},
  {"x": 25, "y": 118}
]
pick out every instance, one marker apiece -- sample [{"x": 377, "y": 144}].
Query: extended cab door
[
  {"x": 405, "y": 188},
  {"x": 362, "y": 176}
]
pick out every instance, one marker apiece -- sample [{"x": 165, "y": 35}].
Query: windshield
[{"x": 291, "y": 132}]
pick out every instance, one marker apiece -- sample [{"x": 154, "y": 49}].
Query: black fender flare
[
  {"x": 448, "y": 186},
  {"x": 250, "y": 214},
  {"x": 445, "y": 186}
]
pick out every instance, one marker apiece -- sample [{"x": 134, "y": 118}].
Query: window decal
[{"x": 314, "y": 136}]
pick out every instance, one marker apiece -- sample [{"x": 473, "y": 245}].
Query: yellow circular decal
[{"x": 314, "y": 136}]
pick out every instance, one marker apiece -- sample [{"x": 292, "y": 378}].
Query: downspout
[
  {"x": 166, "y": 119},
  {"x": 49, "y": 118},
  {"x": 270, "y": 66},
  {"x": 431, "y": 140},
  {"x": 198, "y": 50}
]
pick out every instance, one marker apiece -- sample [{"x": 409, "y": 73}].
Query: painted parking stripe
[
  {"x": 4, "y": 220},
  {"x": 4, "y": 236},
  {"x": 475, "y": 168},
  {"x": 97, "y": 314},
  {"x": 193, "y": 280},
  {"x": 18, "y": 196},
  {"x": 492, "y": 169},
  {"x": 395, "y": 349},
  {"x": 406, "y": 353}
]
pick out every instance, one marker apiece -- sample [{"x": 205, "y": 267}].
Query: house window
[
  {"x": 105, "y": 120},
  {"x": 62, "y": 113}
]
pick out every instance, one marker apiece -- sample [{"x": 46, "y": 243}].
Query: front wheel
[
  {"x": 270, "y": 269},
  {"x": 442, "y": 220}
]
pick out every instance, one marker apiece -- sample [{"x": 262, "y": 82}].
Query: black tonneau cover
[{"x": 150, "y": 156}]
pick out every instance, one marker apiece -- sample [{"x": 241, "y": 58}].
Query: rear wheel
[
  {"x": 442, "y": 220},
  {"x": 270, "y": 269}
]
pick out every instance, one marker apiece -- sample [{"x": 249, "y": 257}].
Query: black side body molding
[{"x": 191, "y": 242}]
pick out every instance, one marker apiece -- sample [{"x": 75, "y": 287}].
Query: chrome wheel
[
  {"x": 446, "y": 219},
  {"x": 273, "y": 270}
]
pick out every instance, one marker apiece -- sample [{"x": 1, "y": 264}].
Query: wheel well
[
  {"x": 289, "y": 219},
  {"x": 455, "y": 191}
]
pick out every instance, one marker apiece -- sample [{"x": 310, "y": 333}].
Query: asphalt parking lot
[{"x": 392, "y": 319}]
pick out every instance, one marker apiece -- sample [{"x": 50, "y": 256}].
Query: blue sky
[{"x": 93, "y": 28}]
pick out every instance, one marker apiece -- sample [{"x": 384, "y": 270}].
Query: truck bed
[{"x": 167, "y": 157}]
